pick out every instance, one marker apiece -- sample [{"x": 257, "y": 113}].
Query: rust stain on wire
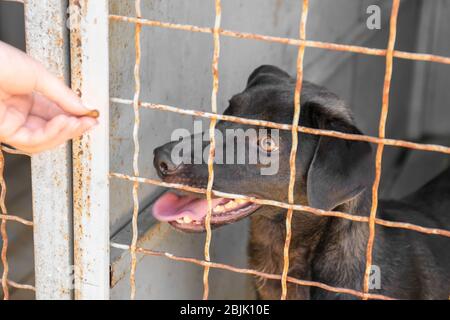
[
  {"x": 3, "y": 232},
  {"x": 222, "y": 266},
  {"x": 21, "y": 286},
  {"x": 137, "y": 79},
  {"x": 212, "y": 146},
  {"x": 287, "y": 41},
  {"x": 293, "y": 155},
  {"x": 8, "y": 217},
  {"x": 288, "y": 127},
  {"x": 296, "y": 207},
  {"x": 380, "y": 148}
]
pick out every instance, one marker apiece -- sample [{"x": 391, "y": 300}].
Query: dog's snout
[{"x": 163, "y": 162}]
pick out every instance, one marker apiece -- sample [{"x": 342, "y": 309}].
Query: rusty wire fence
[
  {"x": 302, "y": 43},
  {"x": 5, "y": 216}
]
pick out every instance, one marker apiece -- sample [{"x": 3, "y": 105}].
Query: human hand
[{"x": 37, "y": 111}]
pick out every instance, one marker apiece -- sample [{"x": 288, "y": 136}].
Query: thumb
[{"x": 55, "y": 90}]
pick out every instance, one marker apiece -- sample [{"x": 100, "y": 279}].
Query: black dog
[{"x": 332, "y": 174}]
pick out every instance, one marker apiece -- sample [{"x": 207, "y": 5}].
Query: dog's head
[{"x": 255, "y": 162}]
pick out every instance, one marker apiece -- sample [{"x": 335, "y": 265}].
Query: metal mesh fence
[
  {"x": 6, "y": 217},
  {"x": 302, "y": 43}
]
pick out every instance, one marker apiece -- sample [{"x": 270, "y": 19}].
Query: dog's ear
[
  {"x": 340, "y": 169},
  {"x": 267, "y": 74}
]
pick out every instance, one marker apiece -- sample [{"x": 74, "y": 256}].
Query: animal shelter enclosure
[{"x": 153, "y": 66}]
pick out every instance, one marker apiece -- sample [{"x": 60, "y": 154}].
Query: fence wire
[
  {"x": 293, "y": 155},
  {"x": 382, "y": 134},
  {"x": 302, "y": 43},
  {"x": 212, "y": 148},
  {"x": 6, "y": 283},
  {"x": 137, "y": 120}
]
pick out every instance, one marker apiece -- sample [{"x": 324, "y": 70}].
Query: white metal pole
[
  {"x": 90, "y": 77},
  {"x": 47, "y": 41}
]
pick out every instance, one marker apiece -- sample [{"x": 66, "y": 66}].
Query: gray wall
[{"x": 424, "y": 111}]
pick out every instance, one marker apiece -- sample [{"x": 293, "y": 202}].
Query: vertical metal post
[
  {"x": 90, "y": 78},
  {"x": 47, "y": 41}
]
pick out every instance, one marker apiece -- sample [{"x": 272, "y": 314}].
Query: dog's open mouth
[{"x": 188, "y": 213}]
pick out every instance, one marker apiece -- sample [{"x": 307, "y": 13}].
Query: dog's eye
[{"x": 267, "y": 144}]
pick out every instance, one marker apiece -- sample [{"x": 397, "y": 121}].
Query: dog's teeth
[
  {"x": 180, "y": 220},
  {"x": 219, "y": 209},
  {"x": 187, "y": 219},
  {"x": 230, "y": 205},
  {"x": 240, "y": 201}
]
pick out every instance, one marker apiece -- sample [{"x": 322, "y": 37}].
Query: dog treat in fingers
[{"x": 93, "y": 114}]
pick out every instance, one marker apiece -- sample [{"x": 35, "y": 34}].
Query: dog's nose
[{"x": 163, "y": 162}]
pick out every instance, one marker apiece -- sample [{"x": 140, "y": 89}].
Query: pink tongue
[{"x": 170, "y": 207}]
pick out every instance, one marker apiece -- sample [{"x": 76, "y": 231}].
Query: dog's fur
[{"x": 332, "y": 174}]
